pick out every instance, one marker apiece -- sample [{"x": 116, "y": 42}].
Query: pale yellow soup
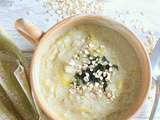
[{"x": 55, "y": 82}]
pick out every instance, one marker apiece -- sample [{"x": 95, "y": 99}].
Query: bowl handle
[{"x": 29, "y": 30}]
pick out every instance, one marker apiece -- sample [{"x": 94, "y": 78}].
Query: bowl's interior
[{"x": 60, "y": 28}]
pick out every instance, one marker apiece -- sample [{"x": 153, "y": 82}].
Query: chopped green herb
[
  {"x": 105, "y": 85},
  {"x": 115, "y": 66},
  {"x": 101, "y": 67}
]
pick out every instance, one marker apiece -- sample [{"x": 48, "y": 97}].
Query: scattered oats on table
[{"x": 66, "y": 8}]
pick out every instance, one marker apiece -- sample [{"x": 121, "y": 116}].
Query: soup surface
[{"x": 89, "y": 73}]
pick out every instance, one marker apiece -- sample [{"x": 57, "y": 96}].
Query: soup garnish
[{"x": 93, "y": 74}]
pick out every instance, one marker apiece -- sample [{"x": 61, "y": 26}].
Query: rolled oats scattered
[{"x": 93, "y": 73}]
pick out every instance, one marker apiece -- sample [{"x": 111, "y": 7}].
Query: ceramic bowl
[{"x": 43, "y": 39}]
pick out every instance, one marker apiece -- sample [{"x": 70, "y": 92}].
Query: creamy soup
[{"x": 89, "y": 73}]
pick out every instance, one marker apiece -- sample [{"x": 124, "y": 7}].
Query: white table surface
[{"x": 146, "y": 12}]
